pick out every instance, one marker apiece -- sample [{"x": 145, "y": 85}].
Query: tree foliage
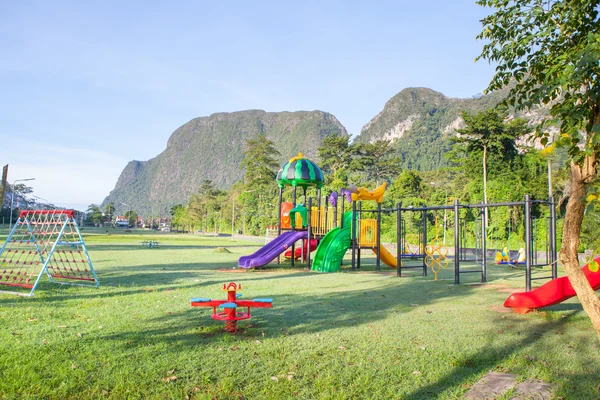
[
  {"x": 548, "y": 50},
  {"x": 109, "y": 211},
  {"x": 377, "y": 160},
  {"x": 132, "y": 218},
  {"x": 94, "y": 214},
  {"x": 260, "y": 161},
  {"x": 486, "y": 131}
]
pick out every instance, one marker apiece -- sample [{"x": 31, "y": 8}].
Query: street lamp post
[
  {"x": 232, "y": 217},
  {"x": 12, "y": 198},
  {"x": 41, "y": 198},
  {"x": 217, "y": 230}
]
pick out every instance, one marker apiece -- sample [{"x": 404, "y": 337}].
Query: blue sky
[{"x": 88, "y": 86}]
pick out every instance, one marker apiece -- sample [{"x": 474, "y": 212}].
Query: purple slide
[{"x": 271, "y": 250}]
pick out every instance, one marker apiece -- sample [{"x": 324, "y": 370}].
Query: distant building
[{"x": 121, "y": 222}]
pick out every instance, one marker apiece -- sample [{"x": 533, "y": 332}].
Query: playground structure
[
  {"x": 369, "y": 229},
  {"x": 301, "y": 253},
  {"x": 469, "y": 220},
  {"x": 339, "y": 223},
  {"x": 503, "y": 257},
  {"x": 230, "y": 314},
  {"x": 436, "y": 253},
  {"x": 45, "y": 242},
  {"x": 550, "y": 293}
]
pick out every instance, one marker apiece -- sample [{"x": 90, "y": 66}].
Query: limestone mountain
[
  {"x": 213, "y": 148},
  {"x": 421, "y": 122}
]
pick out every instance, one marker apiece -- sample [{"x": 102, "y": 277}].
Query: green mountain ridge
[
  {"x": 213, "y": 148},
  {"x": 419, "y": 121},
  {"x": 422, "y": 122}
]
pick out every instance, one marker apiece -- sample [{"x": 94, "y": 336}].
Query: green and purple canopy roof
[{"x": 302, "y": 172}]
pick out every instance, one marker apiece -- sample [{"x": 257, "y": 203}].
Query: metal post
[
  {"x": 527, "y": 243},
  {"x": 319, "y": 227},
  {"x": 278, "y": 221},
  {"x": 232, "y": 220},
  {"x": 550, "y": 179},
  {"x": 308, "y": 234},
  {"x": 378, "y": 264},
  {"x": 292, "y": 262},
  {"x": 399, "y": 239},
  {"x": 335, "y": 213},
  {"x": 12, "y": 198},
  {"x": 483, "y": 250},
  {"x": 456, "y": 243},
  {"x": 342, "y": 210},
  {"x": 553, "y": 257},
  {"x": 353, "y": 235},
  {"x": 424, "y": 217},
  {"x": 358, "y": 230},
  {"x": 279, "y": 214}
]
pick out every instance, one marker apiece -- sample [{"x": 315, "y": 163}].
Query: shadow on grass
[
  {"x": 299, "y": 313},
  {"x": 187, "y": 246},
  {"x": 469, "y": 369},
  {"x": 148, "y": 278},
  {"x": 307, "y": 313}
]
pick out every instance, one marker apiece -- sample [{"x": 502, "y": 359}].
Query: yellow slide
[{"x": 386, "y": 256}]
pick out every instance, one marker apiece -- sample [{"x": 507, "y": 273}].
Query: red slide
[
  {"x": 550, "y": 293},
  {"x": 313, "y": 246}
]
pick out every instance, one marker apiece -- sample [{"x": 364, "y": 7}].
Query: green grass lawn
[{"x": 343, "y": 335}]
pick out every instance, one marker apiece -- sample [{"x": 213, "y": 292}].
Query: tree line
[{"x": 485, "y": 161}]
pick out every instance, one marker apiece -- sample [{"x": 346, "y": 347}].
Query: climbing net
[{"x": 45, "y": 241}]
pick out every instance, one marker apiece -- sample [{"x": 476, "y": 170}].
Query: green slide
[{"x": 333, "y": 247}]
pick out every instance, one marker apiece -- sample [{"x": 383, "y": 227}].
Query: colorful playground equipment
[
  {"x": 469, "y": 220},
  {"x": 271, "y": 250},
  {"x": 407, "y": 252},
  {"x": 436, "y": 253},
  {"x": 327, "y": 222},
  {"x": 45, "y": 242},
  {"x": 294, "y": 222},
  {"x": 552, "y": 292},
  {"x": 503, "y": 257},
  {"x": 316, "y": 226},
  {"x": 333, "y": 246},
  {"x": 365, "y": 194},
  {"x": 369, "y": 229},
  {"x": 355, "y": 232},
  {"x": 230, "y": 313},
  {"x": 301, "y": 253}
]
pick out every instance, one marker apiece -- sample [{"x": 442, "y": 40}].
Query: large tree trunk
[{"x": 580, "y": 177}]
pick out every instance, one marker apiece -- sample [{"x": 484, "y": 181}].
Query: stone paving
[{"x": 494, "y": 385}]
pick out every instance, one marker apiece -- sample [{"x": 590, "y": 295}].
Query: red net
[{"x": 49, "y": 237}]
